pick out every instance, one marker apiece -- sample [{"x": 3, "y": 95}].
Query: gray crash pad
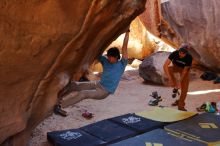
[
  {"x": 205, "y": 127},
  {"x": 158, "y": 137}
]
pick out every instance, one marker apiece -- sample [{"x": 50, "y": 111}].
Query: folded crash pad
[
  {"x": 108, "y": 131},
  {"x": 137, "y": 123},
  {"x": 73, "y": 137}
]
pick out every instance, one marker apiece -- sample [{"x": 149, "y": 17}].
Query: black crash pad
[
  {"x": 137, "y": 123},
  {"x": 109, "y": 131},
  {"x": 205, "y": 126},
  {"x": 158, "y": 137},
  {"x": 73, "y": 137}
]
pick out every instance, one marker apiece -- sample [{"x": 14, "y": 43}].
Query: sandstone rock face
[
  {"x": 151, "y": 69},
  {"x": 139, "y": 45},
  {"x": 151, "y": 18},
  {"x": 194, "y": 22},
  {"x": 43, "y": 44}
]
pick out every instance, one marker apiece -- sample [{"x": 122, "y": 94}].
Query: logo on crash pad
[
  {"x": 69, "y": 135},
  {"x": 153, "y": 144},
  {"x": 208, "y": 125},
  {"x": 131, "y": 120}
]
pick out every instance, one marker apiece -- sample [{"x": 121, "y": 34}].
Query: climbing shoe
[
  {"x": 175, "y": 93},
  {"x": 182, "y": 109},
  {"x": 87, "y": 115},
  {"x": 202, "y": 108},
  {"x": 59, "y": 111},
  {"x": 175, "y": 103},
  {"x": 155, "y": 95},
  {"x": 71, "y": 86},
  {"x": 154, "y": 102}
]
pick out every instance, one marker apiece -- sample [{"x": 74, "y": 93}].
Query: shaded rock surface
[
  {"x": 43, "y": 45},
  {"x": 151, "y": 18},
  {"x": 194, "y": 22},
  {"x": 151, "y": 69},
  {"x": 197, "y": 23}
]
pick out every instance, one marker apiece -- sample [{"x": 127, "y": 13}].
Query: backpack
[{"x": 208, "y": 76}]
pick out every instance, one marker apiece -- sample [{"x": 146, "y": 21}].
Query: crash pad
[
  {"x": 109, "y": 131},
  {"x": 137, "y": 123},
  {"x": 166, "y": 114},
  {"x": 203, "y": 127},
  {"x": 158, "y": 137},
  {"x": 73, "y": 137}
]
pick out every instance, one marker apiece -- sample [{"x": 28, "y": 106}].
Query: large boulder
[
  {"x": 195, "y": 22},
  {"x": 151, "y": 18},
  {"x": 43, "y": 45},
  {"x": 151, "y": 69}
]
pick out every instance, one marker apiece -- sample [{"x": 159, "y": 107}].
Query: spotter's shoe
[
  {"x": 175, "y": 103},
  {"x": 182, "y": 109}
]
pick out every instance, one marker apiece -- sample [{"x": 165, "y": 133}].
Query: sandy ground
[{"x": 131, "y": 96}]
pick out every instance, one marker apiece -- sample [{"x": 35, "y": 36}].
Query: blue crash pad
[
  {"x": 108, "y": 131},
  {"x": 73, "y": 137},
  {"x": 137, "y": 123},
  {"x": 158, "y": 137}
]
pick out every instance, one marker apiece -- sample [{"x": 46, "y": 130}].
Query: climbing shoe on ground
[
  {"x": 155, "y": 95},
  {"x": 59, "y": 111},
  {"x": 175, "y": 93},
  {"x": 87, "y": 115},
  {"x": 175, "y": 103},
  {"x": 154, "y": 102},
  {"x": 202, "y": 108}
]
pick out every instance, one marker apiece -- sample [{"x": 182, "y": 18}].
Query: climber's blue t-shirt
[{"x": 112, "y": 73}]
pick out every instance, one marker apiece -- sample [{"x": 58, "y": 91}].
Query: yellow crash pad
[{"x": 166, "y": 114}]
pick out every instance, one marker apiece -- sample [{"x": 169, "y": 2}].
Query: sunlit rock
[{"x": 139, "y": 45}]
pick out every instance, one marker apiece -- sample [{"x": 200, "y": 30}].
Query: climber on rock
[
  {"x": 113, "y": 68},
  {"x": 181, "y": 63}
]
